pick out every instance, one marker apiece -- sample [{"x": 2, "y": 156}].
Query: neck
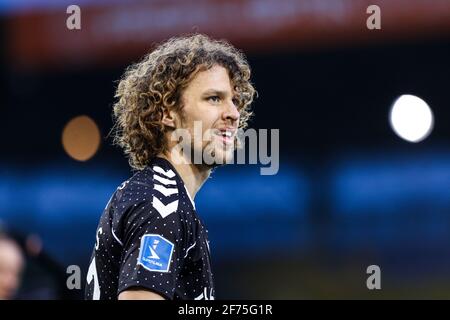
[{"x": 192, "y": 175}]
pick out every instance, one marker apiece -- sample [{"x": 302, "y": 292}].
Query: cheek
[
  {"x": 206, "y": 122},
  {"x": 200, "y": 120},
  {"x": 203, "y": 114},
  {"x": 210, "y": 119}
]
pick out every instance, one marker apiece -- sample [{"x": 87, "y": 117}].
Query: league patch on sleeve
[{"x": 155, "y": 253}]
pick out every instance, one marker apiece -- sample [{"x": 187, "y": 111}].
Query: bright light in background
[
  {"x": 81, "y": 138},
  {"x": 411, "y": 118}
]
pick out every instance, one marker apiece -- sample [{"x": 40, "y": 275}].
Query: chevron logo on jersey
[
  {"x": 167, "y": 186},
  {"x": 155, "y": 253}
]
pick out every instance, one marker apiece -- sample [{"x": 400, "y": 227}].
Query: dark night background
[{"x": 349, "y": 193}]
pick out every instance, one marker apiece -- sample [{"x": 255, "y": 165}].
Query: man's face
[
  {"x": 11, "y": 265},
  {"x": 209, "y": 100}
]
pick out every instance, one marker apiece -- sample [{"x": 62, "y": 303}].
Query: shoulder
[
  {"x": 143, "y": 204},
  {"x": 149, "y": 179},
  {"x": 155, "y": 188}
]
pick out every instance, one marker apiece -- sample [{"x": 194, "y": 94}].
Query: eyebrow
[{"x": 215, "y": 92}]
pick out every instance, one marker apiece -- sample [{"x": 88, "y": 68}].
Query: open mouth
[{"x": 226, "y": 135}]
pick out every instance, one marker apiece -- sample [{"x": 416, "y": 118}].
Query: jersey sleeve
[{"x": 152, "y": 247}]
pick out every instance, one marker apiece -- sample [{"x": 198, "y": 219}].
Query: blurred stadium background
[{"x": 349, "y": 193}]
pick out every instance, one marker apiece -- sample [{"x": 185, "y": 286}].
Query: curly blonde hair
[{"x": 156, "y": 83}]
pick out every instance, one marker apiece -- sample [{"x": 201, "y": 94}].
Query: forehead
[{"x": 215, "y": 78}]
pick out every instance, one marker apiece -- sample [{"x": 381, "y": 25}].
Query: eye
[
  {"x": 214, "y": 99},
  {"x": 236, "y": 102}
]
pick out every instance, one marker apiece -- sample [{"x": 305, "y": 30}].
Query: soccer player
[{"x": 191, "y": 93}]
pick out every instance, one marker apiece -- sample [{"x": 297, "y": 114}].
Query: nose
[{"x": 231, "y": 112}]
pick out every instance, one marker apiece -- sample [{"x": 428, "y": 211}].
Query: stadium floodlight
[{"x": 411, "y": 118}]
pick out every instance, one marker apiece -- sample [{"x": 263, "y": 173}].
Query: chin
[
  {"x": 228, "y": 157},
  {"x": 214, "y": 157}
]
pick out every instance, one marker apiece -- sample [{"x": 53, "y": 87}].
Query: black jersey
[{"x": 150, "y": 236}]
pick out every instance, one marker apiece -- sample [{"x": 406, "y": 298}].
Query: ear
[{"x": 169, "y": 118}]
